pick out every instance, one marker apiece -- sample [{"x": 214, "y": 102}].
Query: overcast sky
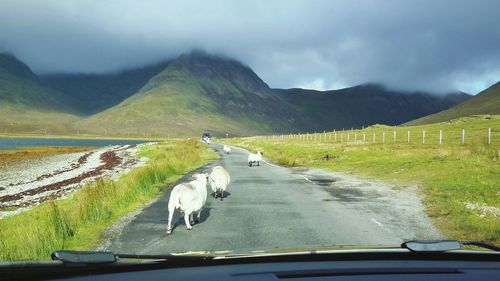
[{"x": 408, "y": 45}]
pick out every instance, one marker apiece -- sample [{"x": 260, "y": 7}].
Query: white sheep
[
  {"x": 252, "y": 158},
  {"x": 227, "y": 149},
  {"x": 189, "y": 198},
  {"x": 219, "y": 179}
]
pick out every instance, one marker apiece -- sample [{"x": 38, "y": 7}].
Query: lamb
[
  {"x": 252, "y": 158},
  {"x": 189, "y": 198},
  {"x": 227, "y": 149},
  {"x": 219, "y": 179}
]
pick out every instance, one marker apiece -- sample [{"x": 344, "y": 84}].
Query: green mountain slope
[
  {"x": 486, "y": 102},
  {"x": 27, "y": 104},
  {"x": 365, "y": 105},
  {"x": 198, "y": 92},
  {"x": 96, "y": 92},
  {"x": 193, "y": 93}
]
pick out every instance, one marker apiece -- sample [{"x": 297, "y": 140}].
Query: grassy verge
[
  {"x": 459, "y": 183},
  {"x": 9, "y": 156},
  {"x": 76, "y": 223}
]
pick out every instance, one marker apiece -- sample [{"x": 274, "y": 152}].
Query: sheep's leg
[
  {"x": 221, "y": 194},
  {"x": 191, "y": 218},
  {"x": 198, "y": 216},
  {"x": 169, "y": 224},
  {"x": 249, "y": 163},
  {"x": 258, "y": 163},
  {"x": 186, "y": 220}
]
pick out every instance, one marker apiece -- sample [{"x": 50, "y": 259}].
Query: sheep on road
[
  {"x": 254, "y": 158},
  {"x": 188, "y": 198},
  {"x": 219, "y": 179},
  {"x": 227, "y": 149}
]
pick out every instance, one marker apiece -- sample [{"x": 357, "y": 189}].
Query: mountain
[
  {"x": 96, "y": 92},
  {"x": 198, "y": 92},
  {"x": 486, "y": 102},
  {"x": 27, "y": 104},
  {"x": 193, "y": 93},
  {"x": 365, "y": 105}
]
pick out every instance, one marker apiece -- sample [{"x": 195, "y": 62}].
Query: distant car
[{"x": 206, "y": 138}]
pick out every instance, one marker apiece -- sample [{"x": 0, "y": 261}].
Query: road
[{"x": 272, "y": 207}]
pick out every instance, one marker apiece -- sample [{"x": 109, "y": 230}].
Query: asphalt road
[{"x": 272, "y": 207}]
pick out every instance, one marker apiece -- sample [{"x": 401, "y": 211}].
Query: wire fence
[{"x": 413, "y": 136}]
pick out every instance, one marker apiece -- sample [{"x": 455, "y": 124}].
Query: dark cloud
[{"x": 426, "y": 45}]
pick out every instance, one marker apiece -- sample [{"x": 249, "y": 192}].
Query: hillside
[
  {"x": 486, "y": 102},
  {"x": 96, "y": 92},
  {"x": 365, "y": 105},
  {"x": 193, "y": 93},
  {"x": 27, "y": 104},
  {"x": 198, "y": 92}
]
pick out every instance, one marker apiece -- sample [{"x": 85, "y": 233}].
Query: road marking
[
  {"x": 308, "y": 179},
  {"x": 376, "y": 222},
  {"x": 270, "y": 164}
]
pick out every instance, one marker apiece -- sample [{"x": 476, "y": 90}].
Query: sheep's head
[{"x": 200, "y": 176}]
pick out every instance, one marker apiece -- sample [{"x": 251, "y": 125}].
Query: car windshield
[{"x": 247, "y": 127}]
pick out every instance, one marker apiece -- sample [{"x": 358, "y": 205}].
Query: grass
[
  {"x": 449, "y": 176},
  {"x": 9, "y": 156},
  {"x": 76, "y": 223}
]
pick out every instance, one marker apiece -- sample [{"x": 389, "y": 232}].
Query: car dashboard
[{"x": 387, "y": 265}]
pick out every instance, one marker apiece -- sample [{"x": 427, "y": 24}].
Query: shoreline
[
  {"x": 26, "y": 153},
  {"x": 82, "y": 137},
  {"x": 29, "y": 182}
]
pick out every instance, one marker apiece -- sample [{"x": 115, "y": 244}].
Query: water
[{"x": 12, "y": 143}]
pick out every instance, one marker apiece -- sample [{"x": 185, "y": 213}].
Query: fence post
[
  {"x": 440, "y": 136},
  {"x": 394, "y": 136},
  {"x": 408, "y": 136},
  {"x": 347, "y": 136},
  {"x": 364, "y": 137},
  {"x": 355, "y": 137},
  {"x": 373, "y": 139},
  {"x": 423, "y": 137},
  {"x": 463, "y": 135},
  {"x": 383, "y": 137},
  {"x": 489, "y": 135},
  {"x": 335, "y": 135},
  {"x": 341, "y": 137},
  {"x": 324, "y": 134}
]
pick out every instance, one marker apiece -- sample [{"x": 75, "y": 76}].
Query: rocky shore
[{"x": 26, "y": 183}]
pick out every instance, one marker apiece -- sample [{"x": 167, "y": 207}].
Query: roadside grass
[
  {"x": 9, "y": 156},
  {"x": 77, "y": 222},
  {"x": 460, "y": 184}
]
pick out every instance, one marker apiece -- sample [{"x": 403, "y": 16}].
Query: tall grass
[{"x": 76, "y": 223}]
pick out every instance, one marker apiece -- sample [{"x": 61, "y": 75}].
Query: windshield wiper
[
  {"x": 444, "y": 245},
  {"x": 84, "y": 257},
  {"x": 94, "y": 257}
]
